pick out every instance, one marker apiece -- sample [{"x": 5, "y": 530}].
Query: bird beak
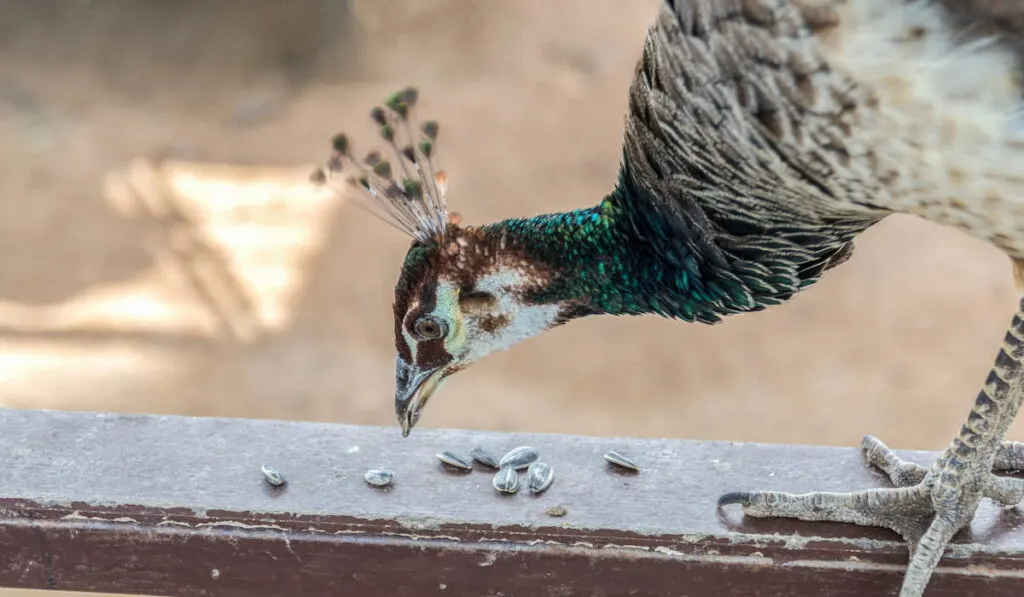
[{"x": 413, "y": 388}]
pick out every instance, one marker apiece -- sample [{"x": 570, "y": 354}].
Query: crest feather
[{"x": 414, "y": 200}]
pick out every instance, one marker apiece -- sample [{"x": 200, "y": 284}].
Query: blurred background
[{"x": 161, "y": 251}]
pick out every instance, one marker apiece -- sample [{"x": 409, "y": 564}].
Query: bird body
[{"x": 761, "y": 138}]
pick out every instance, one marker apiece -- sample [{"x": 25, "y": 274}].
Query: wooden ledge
[{"x": 160, "y": 505}]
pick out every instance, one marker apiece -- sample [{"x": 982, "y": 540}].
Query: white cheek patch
[
  {"x": 523, "y": 321},
  {"x": 448, "y": 310}
]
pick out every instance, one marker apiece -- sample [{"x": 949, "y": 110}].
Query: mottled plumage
[{"x": 762, "y": 136}]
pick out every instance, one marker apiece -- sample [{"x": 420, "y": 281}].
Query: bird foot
[{"x": 927, "y": 506}]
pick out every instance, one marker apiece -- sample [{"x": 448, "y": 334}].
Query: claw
[
  {"x": 928, "y": 506},
  {"x": 734, "y": 497},
  {"x": 908, "y": 509}
]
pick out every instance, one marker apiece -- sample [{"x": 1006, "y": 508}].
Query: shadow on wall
[
  {"x": 111, "y": 307},
  {"x": 57, "y": 237}
]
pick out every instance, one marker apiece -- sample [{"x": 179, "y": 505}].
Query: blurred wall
[{"x": 100, "y": 308}]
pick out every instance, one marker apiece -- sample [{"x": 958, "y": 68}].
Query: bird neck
[{"x": 596, "y": 261}]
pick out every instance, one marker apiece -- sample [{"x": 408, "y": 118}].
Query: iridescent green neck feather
[{"x": 612, "y": 259}]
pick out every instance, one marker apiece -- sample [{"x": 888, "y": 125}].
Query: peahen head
[
  {"x": 463, "y": 292},
  {"x": 457, "y": 301}
]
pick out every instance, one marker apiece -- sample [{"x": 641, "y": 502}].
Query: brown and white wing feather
[
  {"x": 833, "y": 113},
  {"x": 946, "y": 125}
]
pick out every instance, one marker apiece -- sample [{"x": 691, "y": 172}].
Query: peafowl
[{"x": 762, "y": 136}]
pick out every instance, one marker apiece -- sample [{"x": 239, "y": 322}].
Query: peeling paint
[
  {"x": 234, "y": 524},
  {"x": 421, "y": 523},
  {"x": 77, "y": 515},
  {"x": 173, "y": 523},
  {"x": 488, "y": 559},
  {"x": 413, "y": 537}
]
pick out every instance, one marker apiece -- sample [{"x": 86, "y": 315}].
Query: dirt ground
[{"x": 217, "y": 283}]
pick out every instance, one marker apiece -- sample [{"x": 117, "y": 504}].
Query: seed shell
[
  {"x": 454, "y": 461},
  {"x": 620, "y": 460},
  {"x": 379, "y": 477},
  {"x": 506, "y": 480},
  {"x": 540, "y": 476},
  {"x": 483, "y": 457},
  {"x": 272, "y": 475},
  {"x": 519, "y": 458},
  {"x": 556, "y": 511}
]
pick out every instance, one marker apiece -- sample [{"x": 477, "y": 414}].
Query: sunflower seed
[
  {"x": 519, "y": 458},
  {"x": 540, "y": 475},
  {"x": 379, "y": 477},
  {"x": 272, "y": 475},
  {"x": 454, "y": 461},
  {"x": 483, "y": 457},
  {"x": 507, "y": 480},
  {"x": 620, "y": 460}
]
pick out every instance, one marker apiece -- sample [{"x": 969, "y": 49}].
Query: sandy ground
[{"x": 217, "y": 283}]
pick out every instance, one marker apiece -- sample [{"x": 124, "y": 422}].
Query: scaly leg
[{"x": 927, "y": 506}]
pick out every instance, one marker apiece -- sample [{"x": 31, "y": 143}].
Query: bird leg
[{"x": 929, "y": 505}]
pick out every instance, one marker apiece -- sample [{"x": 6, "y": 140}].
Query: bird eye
[{"x": 429, "y": 328}]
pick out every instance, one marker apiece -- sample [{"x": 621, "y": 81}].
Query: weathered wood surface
[{"x": 177, "y": 506}]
